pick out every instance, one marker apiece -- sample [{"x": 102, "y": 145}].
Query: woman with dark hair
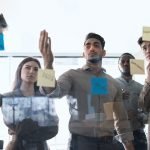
[
  {"x": 18, "y": 80},
  {"x": 27, "y": 134}
]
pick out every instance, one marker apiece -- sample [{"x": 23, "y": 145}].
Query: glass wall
[{"x": 8, "y": 67}]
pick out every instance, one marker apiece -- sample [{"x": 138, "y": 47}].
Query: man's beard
[
  {"x": 94, "y": 59},
  {"x": 126, "y": 74}
]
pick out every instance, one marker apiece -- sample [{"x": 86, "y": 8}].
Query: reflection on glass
[{"x": 39, "y": 109}]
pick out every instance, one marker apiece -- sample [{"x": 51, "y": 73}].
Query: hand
[
  {"x": 148, "y": 72},
  {"x": 45, "y": 49},
  {"x": 128, "y": 146}
]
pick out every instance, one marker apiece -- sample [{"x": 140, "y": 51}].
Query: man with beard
[
  {"x": 93, "y": 97},
  {"x": 130, "y": 93},
  {"x": 144, "y": 101}
]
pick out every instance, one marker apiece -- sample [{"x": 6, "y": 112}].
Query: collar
[
  {"x": 124, "y": 80},
  {"x": 89, "y": 68},
  {"x": 127, "y": 79}
]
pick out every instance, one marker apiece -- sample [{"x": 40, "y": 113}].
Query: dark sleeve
[
  {"x": 144, "y": 99},
  {"x": 44, "y": 133},
  {"x": 40, "y": 134},
  {"x": 30, "y": 131}
]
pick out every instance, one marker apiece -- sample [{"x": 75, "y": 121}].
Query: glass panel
[{"x": 8, "y": 67}]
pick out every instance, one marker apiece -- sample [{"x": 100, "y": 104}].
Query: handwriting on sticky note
[
  {"x": 136, "y": 66},
  {"x": 146, "y": 34},
  {"x": 46, "y": 78}
]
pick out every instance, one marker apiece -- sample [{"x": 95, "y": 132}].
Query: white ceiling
[{"x": 120, "y": 22}]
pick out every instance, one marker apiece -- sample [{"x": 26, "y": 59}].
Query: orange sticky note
[
  {"x": 108, "y": 110},
  {"x": 137, "y": 66},
  {"x": 46, "y": 78},
  {"x": 146, "y": 34}
]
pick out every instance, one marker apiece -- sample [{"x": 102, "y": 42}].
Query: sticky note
[
  {"x": 136, "y": 66},
  {"x": 99, "y": 86},
  {"x": 108, "y": 110},
  {"x": 1, "y": 41},
  {"x": 46, "y": 78},
  {"x": 146, "y": 34}
]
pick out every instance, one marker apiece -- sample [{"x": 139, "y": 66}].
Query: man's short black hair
[
  {"x": 140, "y": 41},
  {"x": 124, "y": 54},
  {"x": 96, "y": 36},
  {"x": 3, "y": 23}
]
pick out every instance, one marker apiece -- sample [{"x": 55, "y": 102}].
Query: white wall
[{"x": 68, "y": 21}]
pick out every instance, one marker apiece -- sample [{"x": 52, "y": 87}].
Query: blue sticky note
[
  {"x": 99, "y": 86},
  {"x": 1, "y": 41}
]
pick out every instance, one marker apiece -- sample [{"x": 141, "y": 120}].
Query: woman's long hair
[{"x": 18, "y": 80}]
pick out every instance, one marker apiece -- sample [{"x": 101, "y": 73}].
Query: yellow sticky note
[
  {"x": 146, "y": 34},
  {"x": 46, "y": 78},
  {"x": 108, "y": 110},
  {"x": 137, "y": 66}
]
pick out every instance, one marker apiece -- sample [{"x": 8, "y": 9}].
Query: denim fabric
[{"x": 140, "y": 141}]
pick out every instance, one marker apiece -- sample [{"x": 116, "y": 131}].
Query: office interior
[{"x": 67, "y": 23}]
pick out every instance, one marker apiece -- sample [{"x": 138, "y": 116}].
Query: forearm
[
  {"x": 126, "y": 139},
  {"x": 144, "y": 102},
  {"x": 121, "y": 123},
  {"x": 47, "y": 90},
  {"x": 128, "y": 145}
]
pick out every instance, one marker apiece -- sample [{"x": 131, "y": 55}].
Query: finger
[
  {"x": 49, "y": 45},
  {"x": 49, "y": 42},
  {"x": 42, "y": 36},
  {"x": 42, "y": 33},
  {"x": 45, "y": 39}
]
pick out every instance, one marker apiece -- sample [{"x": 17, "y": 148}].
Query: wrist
[
  {"x": 127, "y": 144},
  {"x": 48, "y": 65}
]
